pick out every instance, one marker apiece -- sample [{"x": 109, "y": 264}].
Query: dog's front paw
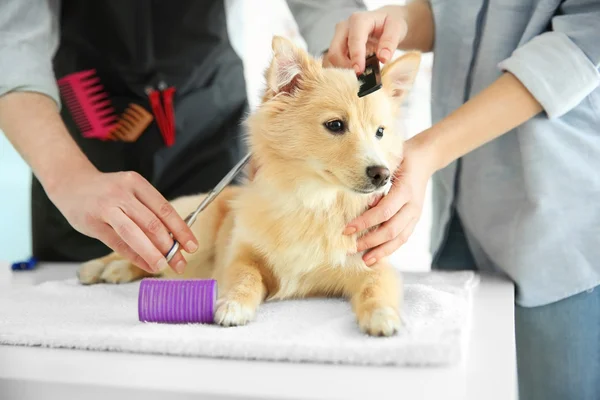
[
  {"x": 381, "y": 321},
  {"x": 233, "y": 313},
  {"x": 119, "y": 271},
  {"x": 110, "y": 269},
  {"x": 91, "y": 272}
]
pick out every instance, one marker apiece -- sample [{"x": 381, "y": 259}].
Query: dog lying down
[{"x": 324, "y": 153}]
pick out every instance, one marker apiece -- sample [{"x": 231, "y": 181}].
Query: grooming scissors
[{"x": 208, "y": 199}]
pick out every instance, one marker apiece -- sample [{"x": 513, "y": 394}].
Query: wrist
[
  {"x": 64, "y": 175},
  {"x": 430, "y": 153}
]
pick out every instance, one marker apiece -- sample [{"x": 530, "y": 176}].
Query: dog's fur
[{"x": 279, "y": 235}]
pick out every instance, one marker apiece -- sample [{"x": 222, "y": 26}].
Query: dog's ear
[
  {"x": 398, "y": 77},
  {"x": 289, "y": 65}
]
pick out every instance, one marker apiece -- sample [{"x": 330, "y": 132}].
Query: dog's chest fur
[{"x": 300, "y": 239}]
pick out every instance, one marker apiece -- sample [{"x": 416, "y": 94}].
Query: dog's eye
[
  {"x": 335, "y": 126},
  {"x": 379, "y": 132}
]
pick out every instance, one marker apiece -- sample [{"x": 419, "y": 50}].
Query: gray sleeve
[
  {"x": 560, "y": 66},
  {"x": 316, "y": 19},
  {"x": 28, "y": 40}
]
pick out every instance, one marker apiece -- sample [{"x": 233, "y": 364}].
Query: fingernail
[
  {"x": 371, "y": 261},
  {"x": 162, "y": 264},
  {"x": 349, "y": 230},
  {"x": 384, "y": 55},
  {"x": 180, "y": 266},
  {"x": 356, "y": 68},
  {"x": 191, "y": 247}
]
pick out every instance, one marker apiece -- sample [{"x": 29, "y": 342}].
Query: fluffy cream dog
[{"x": 323, "y": 153}]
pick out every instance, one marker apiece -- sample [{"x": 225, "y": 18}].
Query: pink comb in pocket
[{"x": 89, "y": 104}]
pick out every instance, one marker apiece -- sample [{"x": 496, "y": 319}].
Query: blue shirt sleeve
[{"x": 560, "y": 67}]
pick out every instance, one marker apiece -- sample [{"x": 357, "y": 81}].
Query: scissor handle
[
  {"x": 189, "y": 221},
  {"x": 173, "y": 251}
]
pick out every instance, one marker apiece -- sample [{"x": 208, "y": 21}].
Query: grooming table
[{"x": 35, "y": 372}]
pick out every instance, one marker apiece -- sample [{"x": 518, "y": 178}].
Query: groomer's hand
[
  {"x": 120, "y": 209},
  {"x": 127, "y": 213},
  {"x": 379, "y": 31},
  {"x": 399, "y": 211}
]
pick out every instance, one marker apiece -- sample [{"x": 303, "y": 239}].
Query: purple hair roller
[{"x": 177, "y": 301}]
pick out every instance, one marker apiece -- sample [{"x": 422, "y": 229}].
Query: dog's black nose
[{"x": 379, "y": 175}]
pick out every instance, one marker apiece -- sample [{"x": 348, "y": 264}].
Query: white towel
[{"x": 436, "y": 316}]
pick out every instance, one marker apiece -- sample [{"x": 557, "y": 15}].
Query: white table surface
[{"x": 489, "y": 371}]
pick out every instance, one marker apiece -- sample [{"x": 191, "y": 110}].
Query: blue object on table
[{"x": 25, "y": 265}]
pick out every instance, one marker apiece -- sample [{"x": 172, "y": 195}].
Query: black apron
[{"x": 134, "y": 45}]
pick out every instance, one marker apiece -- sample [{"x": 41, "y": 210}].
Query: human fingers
[
  {"x": 164, "y": 210},
  {"x": 337, "y": 54},
  {"x": 388, "y": 231},
  {"x": 155, "y": 230},
  {"x": 394, "y": 30},
  {"x": 388, "y": 248},
  {"x": 129, "y": 232},
  {"x": 385, "y": 209}
]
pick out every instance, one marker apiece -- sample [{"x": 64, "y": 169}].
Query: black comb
[{"x": 371, "y": 78}]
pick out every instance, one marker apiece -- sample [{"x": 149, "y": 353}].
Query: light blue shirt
[{"x": 529, "y": 201}]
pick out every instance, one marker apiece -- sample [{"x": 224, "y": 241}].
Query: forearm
[
  {"x": 29, "y": 95},
  {"x": 33, "y": 125},
  {"x": 502, "y": 106},
  {"x": 420, "y": 25}
]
